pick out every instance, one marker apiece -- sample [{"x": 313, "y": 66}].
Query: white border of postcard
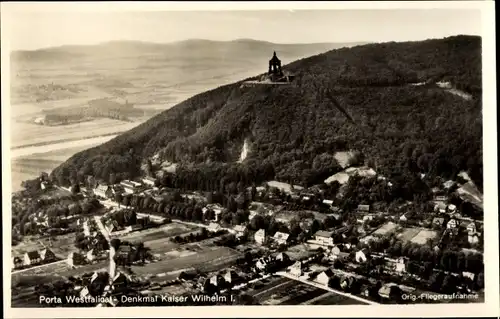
[{"x": 489, "y": 308}]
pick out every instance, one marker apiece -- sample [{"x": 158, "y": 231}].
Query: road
[
  {"x": 103, "y": 230},
  {"x": 311, "y": 283},
  {"x": 39, "y": 266}
]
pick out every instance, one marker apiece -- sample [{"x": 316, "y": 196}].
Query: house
[
  {"x": 214, "y": 227},
  {"x": 346, "y": 282},
  {"x": 469, "y": 275},
  {"x": 401, "y": 265},
  {"x": 473, "y": 238},
  {"x": 296, "y": 269},
  {"x": 363, "y": 209},
  {"x": 260, "y": 236},
  {"x": 46, "y": 255},
  {"x": 216, "y": 208},
  {"x": 438, "y": 221},
  {"x": 452, "y": 208},
  {"x": 148, "y": 180},
  {"x": 361, "y": 255},
  {"x": 263, "y": 263},
  {"x": 130, "y": 186},
  {"x": 216, "y": 280},
  {"x": 16, "y": 262},
  {"x": 385, "y": 291},
  {"x": 324, "y": 238},
  {"x": 440, "y": 198},
  {"x": 452, "y": 224},
  {"x": 74, "y": 259},
  {"x": 231, "y": 277},
  {"x": 253, "y": 213},
  {"x": 283, "y": 258},
  {"x": 403, "y": 218},
  {"x": 102, "y": 191},
  {"x": 86, "y": 228},
  {"x": 281, "y": 238},
  {"x": 239, "y": 230},
  {"x": 31, "y": 258},
  {"x": 368, "y": 217},
  {"x": 90, "y": 255},
  {"x": 340, "y": 231},
  {"x": 111, "y": 225},
  {"x": 448, "y": 184},
  {"x": 335, "y": 250},
  {"x": 123, "y": 251},
  {"x": 45, "y": 185},
  {"x": 328, "y": 202},
  {"x": 440, "y": 207},
  {"x": 324, "y": 277},
  {"x": 471, "y": 228}
]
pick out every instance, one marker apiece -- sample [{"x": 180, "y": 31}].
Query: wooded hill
[{"x": 368, "y": 98}]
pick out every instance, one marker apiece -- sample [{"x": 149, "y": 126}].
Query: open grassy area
[
  {"x": 61, "y": 245},
  {"x": 336, "y": 299},
  {"x": 199, "y": 259},
  {"x": 385, "y": 229}
]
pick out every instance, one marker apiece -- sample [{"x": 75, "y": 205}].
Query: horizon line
[{"x": 227, "y": 41}]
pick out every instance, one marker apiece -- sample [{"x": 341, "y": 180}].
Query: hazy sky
[{"x": 45, "y": 29}]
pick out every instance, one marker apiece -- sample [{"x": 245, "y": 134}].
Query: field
[
  {"x": 283, "y": 186},
  {"x": 343, "y": 158},
  {"x": 284, "y": 291},
  {"x": 331, "y": 298},
  {"x": 385, "y": 229},
  {"x": 152, "y": 235},
  {"x": 343, "y": 177},
  {"x": 300, "y": 251},
  {"x": 61, "y": 245},
  {"x": 205, "y": 260},
  {"x": 417, "y": 236}
]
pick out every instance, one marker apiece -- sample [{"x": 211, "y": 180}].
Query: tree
[
  {"x": 75, "y": 189},
  {"x": 112, "y": 179}
]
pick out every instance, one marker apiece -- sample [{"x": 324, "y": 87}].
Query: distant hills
[
  {"x": 193, "y": 48},
  {"x": 145, "y": 73},
  {"x": 378, "y": 99}
]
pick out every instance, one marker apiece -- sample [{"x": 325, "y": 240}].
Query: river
[{"x": 38, "y": 149}]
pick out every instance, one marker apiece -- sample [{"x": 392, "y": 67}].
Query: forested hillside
[{"x": 379, "y": 99}]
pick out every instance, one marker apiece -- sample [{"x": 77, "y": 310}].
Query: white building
[
  {"x": 324, "y": 238},
  {"x": 281, "y": 238},
  {"x": 361, "y": 256},
  {"x": 260, "y": 236}
]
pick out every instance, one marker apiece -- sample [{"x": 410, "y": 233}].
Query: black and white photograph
[{"x": 194, "y": 155}]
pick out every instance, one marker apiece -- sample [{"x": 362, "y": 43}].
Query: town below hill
[{"x": 239, "y": 240}]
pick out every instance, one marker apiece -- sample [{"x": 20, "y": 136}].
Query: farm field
[
  {"x": 208, "y": 256},
  {"x": 385, "y": 229},
  {"x": 169, "y": 230},
  {"x": 419, "y": 236},
  {"x": 61, "y": 245},
  {"x": 332, "y": 298}
]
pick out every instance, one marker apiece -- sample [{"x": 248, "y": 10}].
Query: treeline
[
  {"x": 294, "y": 132},
  {"x": 56, "y": 210}
]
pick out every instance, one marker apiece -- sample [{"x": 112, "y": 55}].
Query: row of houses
[
  {"x": 126, "y": 186},
  {"x": 279, "y": 238},
  {"x": 33, "y": 258}
]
